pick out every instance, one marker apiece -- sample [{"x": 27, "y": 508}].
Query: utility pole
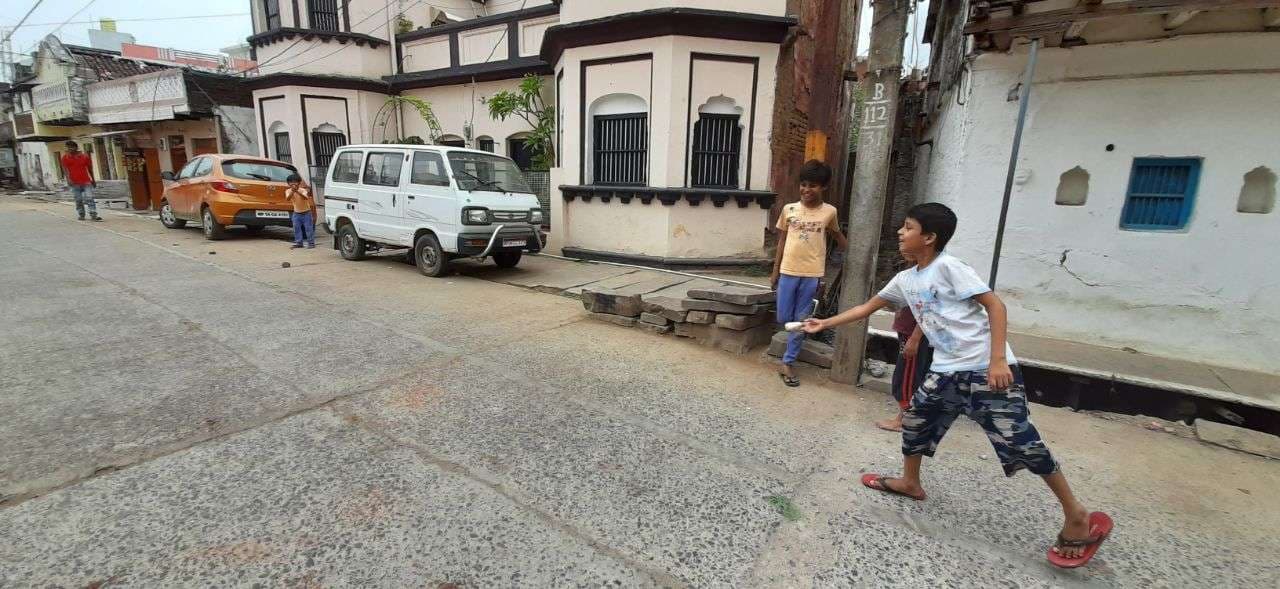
[{"x": 870, "y": 177}]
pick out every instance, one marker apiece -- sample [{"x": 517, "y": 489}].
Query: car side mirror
[{"x": 167, "y": 176}]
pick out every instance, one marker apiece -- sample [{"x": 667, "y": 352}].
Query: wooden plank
[
  {"x": 1086, "y": 12},
  {"x": 1271, "y": 18},
  {"x": 1174, "y": 20}
]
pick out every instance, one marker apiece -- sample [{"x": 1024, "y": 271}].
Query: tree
[
  {"x": 395, "y": 104},
  {"x": 526, "y": 102}
]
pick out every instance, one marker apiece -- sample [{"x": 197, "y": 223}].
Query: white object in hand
[{"x": 794, "y": 326}]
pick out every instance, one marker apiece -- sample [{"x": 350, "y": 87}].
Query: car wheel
[
  {"x": 254, "y": 228},
  {"x": 213, "y": 230},
  {"x": 430, "y": 256},
  {"x": 506, "y": 259},
  {"x": 349, "y": 244},
  {"x": 167, "y": 219}
]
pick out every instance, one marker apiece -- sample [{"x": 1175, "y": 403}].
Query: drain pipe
[{"x": 677, "y": 273}]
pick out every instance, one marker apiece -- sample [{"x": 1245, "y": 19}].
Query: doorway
[
  {"x": 519, "y": 151},
  {"x": 203, "y": 145},
  {"x": 177, "y": 152}
]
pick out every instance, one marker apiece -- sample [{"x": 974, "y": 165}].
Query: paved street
[{"x": 180, "y": 412}]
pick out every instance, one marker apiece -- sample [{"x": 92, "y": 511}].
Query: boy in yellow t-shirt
[
  {"x": 802, "y": 255},
  {"x": 303, "y": 214}
]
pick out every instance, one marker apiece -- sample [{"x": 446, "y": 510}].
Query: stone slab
[
  {"x": 743, "y": 322},
  {"x": 654, "y": 319},
  {"x": 811, "y": 352},
  {"x": 700, "y": 333},
  {"x": 611, "y": 302},
  {"x": 658, "y": 329},
  {"x": 737, "y": 295},
  {"x": 614, "y": 319},
  {"x": 701, "y": 317},
  {"x": 721, "y": 307},
  {"x": 740, "y": 342},
  {"x": 636, "y": 282},
  {"x": 668, "y": 307},
  {"x": 1238, "y": 438}
]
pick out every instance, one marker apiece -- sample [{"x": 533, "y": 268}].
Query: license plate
[
  {"x": 272, "y": 214},
  {"x": 513, "y": 243}
]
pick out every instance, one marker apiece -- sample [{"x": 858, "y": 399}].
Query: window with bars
[
  {"x": 324, "y": 15},
  {"x": 620, "y": 146},
  {"x": 326, "y": 144},
  {"x": 717, "y": 145},
  {"x": 485, "y": 144},
  {"x": 272, "y": 10},
  {"x": 1161, "y": 193},
  {"x": 284, "y": 153}
]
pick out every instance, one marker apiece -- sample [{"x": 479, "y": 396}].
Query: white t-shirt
[{"x": 941, "y": 298}]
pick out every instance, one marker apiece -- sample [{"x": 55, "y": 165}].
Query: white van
[{"x": 443, "y": 202}]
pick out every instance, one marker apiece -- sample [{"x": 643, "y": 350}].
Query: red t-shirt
[
  {"x": 904, "y": 322},
  {"x": 78, "y": 167}
]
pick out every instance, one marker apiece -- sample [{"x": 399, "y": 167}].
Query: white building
[
  {"x": 1142, "y": 214},
  {"x": 663, "y": 109}
]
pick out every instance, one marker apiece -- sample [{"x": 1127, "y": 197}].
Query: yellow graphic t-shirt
[{"x": 805, "y": 253}]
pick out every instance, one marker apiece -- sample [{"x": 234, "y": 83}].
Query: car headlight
[
  {"x": 475, "y": 216},
  {"x": 535, "y": 216}
]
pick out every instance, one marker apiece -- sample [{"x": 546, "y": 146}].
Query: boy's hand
[
  {"x": 999, "y": 376},
  {"x": 911, "y": 348},
  {"x": 773, "y": 279},
  {"x": 814, "y": 325}
]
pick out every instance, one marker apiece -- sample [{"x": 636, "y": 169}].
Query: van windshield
[
  {"x": 265, "y": 171},
  {"x": 480, "y": 171}
]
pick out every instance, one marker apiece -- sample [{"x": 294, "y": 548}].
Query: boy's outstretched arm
[
  {"x": 857, "y": 313},
  {"x": 999, "y": 375}
]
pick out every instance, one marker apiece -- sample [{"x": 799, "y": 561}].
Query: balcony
[{"x": 61, "y": 104}]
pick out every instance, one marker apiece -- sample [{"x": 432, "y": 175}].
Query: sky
[{"x": 212, "y": 33}]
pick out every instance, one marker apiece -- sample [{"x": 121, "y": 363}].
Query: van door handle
[
  {"x": 410, "y": 197},
  {"x": 393, "y": 200}
]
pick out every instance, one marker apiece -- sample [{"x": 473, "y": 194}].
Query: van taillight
[{"x": 223, "y": 186}]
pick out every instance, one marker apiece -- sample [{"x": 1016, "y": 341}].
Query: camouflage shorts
[{"x": 1002, "y": 414}]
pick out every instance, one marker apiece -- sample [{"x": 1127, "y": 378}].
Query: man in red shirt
[{"x": 79, "y": 170}]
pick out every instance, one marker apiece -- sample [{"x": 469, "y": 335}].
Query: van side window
[
  {"x": 383, "y": 169},
  {"x": 347, "y": 167},
  {"x": 428, "y": 169}
]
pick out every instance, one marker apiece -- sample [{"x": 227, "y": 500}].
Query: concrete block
[
  {"x": 653, "y": 319},
  {"x": 740, "y": 342},
  {"x": 614, "y": 319},
  {"x": 699, "y": 333},
  {"x": 743, "y": 322},
  {"x": 701, "y": 317},
  {"x": 612, "y": 302},
  {"x": 658, "y": 329},
  {"x": 737, "y": 295},
  {"x": 721, "y": 307},
  {"x": 1238, "y": 438},
  {"x": 811, "y": 351},
  {"x": 668, "y": 307}
]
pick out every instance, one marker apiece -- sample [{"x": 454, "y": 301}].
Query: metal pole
[{"x": 1023, "y": 98}]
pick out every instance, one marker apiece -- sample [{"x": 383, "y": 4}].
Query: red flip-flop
[
  {"x": 1100, "y": 526},
  {"x": 875, "y": 482}
]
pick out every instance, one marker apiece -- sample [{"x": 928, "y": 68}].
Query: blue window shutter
[{"x": 1161, "y": 193}]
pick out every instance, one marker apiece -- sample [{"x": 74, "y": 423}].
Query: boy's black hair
[
  {"x": 935, "y": 218},
  {"x": 816, "y": 172},
  {"x": 293, "y": 178}
]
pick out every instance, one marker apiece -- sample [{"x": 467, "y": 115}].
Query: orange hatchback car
[{"x": 218, "y": 190}]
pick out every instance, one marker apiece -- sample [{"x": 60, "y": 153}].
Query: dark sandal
[
  {"x": 875, "y": 482},
  {"x": 790, "y": 381}
]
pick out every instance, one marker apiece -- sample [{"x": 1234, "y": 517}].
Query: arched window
[
  {"x": 325, "y": 140},
  {"x": 485, "y": 143},
  {"x": 620, "y": 140},
  {"x": 451, "y": 141},
  {"x": 716, "y": 149},
  {"x": 279, "y": 149}
]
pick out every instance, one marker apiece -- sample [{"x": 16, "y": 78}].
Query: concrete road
[{"x": 178, "y": 412}]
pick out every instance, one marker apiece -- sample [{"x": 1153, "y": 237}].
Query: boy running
[
  {"x": 973, "y": 372},
  {"x": 801, "y": 260}
]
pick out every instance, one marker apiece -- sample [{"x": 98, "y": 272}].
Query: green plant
[
  {"x": 527, "y": 103},
  {"x": 396, "y": 104},
  {"x": 403, "y": 25},
  {"x": 784, "y": 506}
]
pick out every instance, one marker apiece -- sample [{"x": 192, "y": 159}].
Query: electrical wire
[
  {"x": 157, "y": 19},
  {"x": 387, "y": 6},
  {"x": 15, "y": 28}
]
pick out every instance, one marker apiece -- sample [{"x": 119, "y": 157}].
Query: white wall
[
  {"x": 1208, "y": 293},
  {"x": 426, "y": 54},
  {"x": 454, "y": 106},
  {"x": 578, "y": 10},
  {"x": 361, "y": 108}
]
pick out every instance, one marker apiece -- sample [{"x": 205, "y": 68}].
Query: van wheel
[
  {"x": 167, "y": 219},
  {"x": 506, "y": 259},
  {"x": 430, "y": 257},
  {"x": 213, "y": 230},
  {"x": 349, "y": 244}
]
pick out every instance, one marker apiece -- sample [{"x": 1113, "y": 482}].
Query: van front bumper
[{"x": 473, "y": 244}]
